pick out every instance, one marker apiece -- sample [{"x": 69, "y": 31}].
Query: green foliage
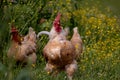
[{"x": 97, "y": 24}]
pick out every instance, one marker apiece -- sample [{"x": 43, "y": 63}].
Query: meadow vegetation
[{"x": 98, "y": 26}]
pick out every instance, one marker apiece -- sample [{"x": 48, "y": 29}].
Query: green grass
[{"x": 98, "y": 24}]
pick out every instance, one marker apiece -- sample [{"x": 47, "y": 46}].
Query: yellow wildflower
[
  {"x": 33, "y": 65},
  {"x": 76, "y": 46},
  {"x": 48, "y": 72}
]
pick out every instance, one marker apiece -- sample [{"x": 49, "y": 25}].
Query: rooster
[
  {"x": 59, "y": 52},
  {"x": 52, "y": 34},
  {"x": 77, "y": 42},
  {"x": 23, "y": 49}
]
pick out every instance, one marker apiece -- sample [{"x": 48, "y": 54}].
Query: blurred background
[{"x": 98, "y": 22}]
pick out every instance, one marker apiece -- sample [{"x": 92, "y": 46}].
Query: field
[{"x": 99, "y": 26}]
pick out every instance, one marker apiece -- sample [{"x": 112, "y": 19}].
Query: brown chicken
[
  {"x": 77, "y": 42},
  {"x": 23, "y": 49},
  {"x": 59, "y": 52}
]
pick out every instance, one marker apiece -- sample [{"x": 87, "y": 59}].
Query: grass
[{"x": 97, "y": 23}]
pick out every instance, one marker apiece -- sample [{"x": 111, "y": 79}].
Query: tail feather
[{"x": 43, "y": 32}]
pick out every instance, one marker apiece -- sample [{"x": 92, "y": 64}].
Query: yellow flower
[
  {"x": 33, "y": 65},
  {"x": 99, "y": 22},
  {"x": 88, "y": 32},
  {"x": 76, "y": 46},
  {"x": 91, "y": 19},
  {"x": 92, "y": 62},
  {"x": 83, "y": 68},
  {"x": 109, "y": 55},
  {"x": 48, "y": 72},
  {"x": 10, "y": 3}
]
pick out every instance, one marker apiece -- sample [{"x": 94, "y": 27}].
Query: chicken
[
  {"x": 77, "y": 42},
  {"x": 52, "y": 32},
  {"x": 23, "y": 49},
  {"x": 59, "y": 52}
]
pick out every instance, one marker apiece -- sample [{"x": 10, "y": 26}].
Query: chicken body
[
  {"x": 25, "y": 50},
  {"x": 77, "y": 43},
  {"x": 59, "y": 53}
]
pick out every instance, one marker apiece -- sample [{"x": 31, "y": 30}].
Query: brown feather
[
  {"x": 77, "y": 42},
  {"x": 23, "y": 50}
]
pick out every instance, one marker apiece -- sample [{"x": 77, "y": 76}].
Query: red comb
[
  {"x": 57, "y": 19},
  {"x": 56, "y": 23}
]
